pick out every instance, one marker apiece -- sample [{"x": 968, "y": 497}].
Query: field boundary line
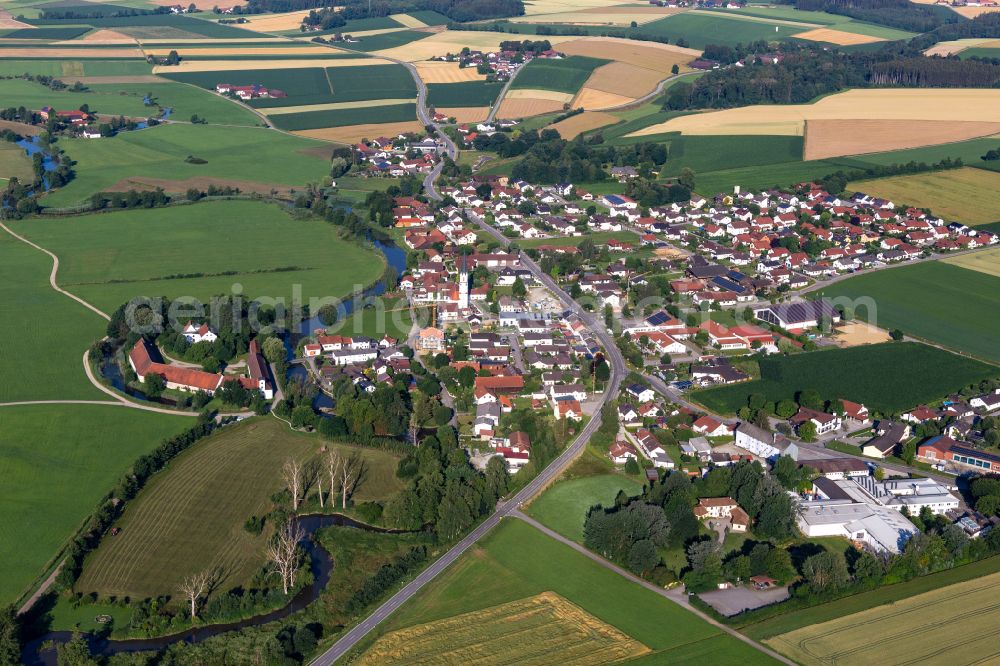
[
  {"x": 676, "y": 598},
  {"x": 55, "y": 272}
]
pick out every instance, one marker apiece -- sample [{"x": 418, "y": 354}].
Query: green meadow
[
  {"x": 253, "y": 155},
  {"x": 58, "y": 461},
  {"x": 563, "y": 507},
  {"x": 44, "y": 332},
  {"x": 110, "y": 258}
]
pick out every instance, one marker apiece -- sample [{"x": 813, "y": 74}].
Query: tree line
[
  {"x": 456, "y": 10},
  {"x": 552, "y": 159},
  {"x": 900, "y": 14}
]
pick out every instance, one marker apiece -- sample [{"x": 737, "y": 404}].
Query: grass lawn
[
  {"x": 955, "y": 194},
  {"x": 20, "y": 92},
  {"x": 167, "y": 533},
  {"x": 394, "y": 320},
  {"x": 944, "y": 303},
  {"x": 106, "y": 258},
  {"x": 517, "y": 561},
  {"x": 57, "y": 461},
  {"x": 564, "y": 506},
  {"x": 185, "y": 101},
  {"x": 567, "y": 75},
  {"x": 889, "y": 378},
  {"x": 44, "y": 332},
  {"x": 804, "y": 617},
  {"x": 14, "y": 163},
  {"x": 598, "y": 238},
  {"x": 233, "y": 154}
]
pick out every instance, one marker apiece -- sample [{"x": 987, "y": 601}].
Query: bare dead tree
[
  {"x": 291, "y": 472},
  {"x": 332, "y": 463},
  {"x": 193, "y": 587},
  {"x": 349, "y": 472},
  {"x": 283, "y": 553},
  {"x": 319, "y": 482}
]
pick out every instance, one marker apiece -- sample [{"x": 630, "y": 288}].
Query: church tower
[{"x": 463, "y": 283}]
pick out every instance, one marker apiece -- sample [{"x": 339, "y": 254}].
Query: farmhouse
[
  {"x": 715, "y": 507},
  {"x": 195, "y": 333},
  {"x": 824, "y": 422},
  {"x": 145, "y": 360},
  {"x": 761, "y": 443}
]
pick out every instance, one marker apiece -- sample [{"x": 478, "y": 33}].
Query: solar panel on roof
[{"x": 658, "y": 318}]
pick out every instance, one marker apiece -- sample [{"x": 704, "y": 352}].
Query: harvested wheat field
[
  {"x": 646, "y": 54},
  {"x": 236, "y": 65},
  {"x": 984, "y": 261},
  {"x": 954, "y": 194},
  {"x": 71, "y": 54},
  {"x": 104, "y": 36},
  {"x": 859, "y": 333},
  {"x": 836, "y": 138},
  {"x": 360, "y": 104},
  {"x": 533, "y": 93},
  {"x": 621, "y": 78},
  {"x": 669, "y": 253},
  {"x": 838, "y": 37},
  {"x": 536, "y": 7},
  {"x": 973, "y": 12},
  {"x": 436, "y": 71},
  {"x": 543, "y": 629},
  {"x": 276, "y": 22},
  {"x": 354, "y": 133},
  {"x": 957, "y": 46},
  {"x": 954, "y": 624},
  {"x": 582, "y": 122},
  {"x": 598, "y": 16},
  {"x": 588, "y": 98},
  {"x": 8, "y": 22},
  {"x": 408, "y": 21},
  {"x": 525, "y": 108},
  {"x": 870, "y": 104},
  {"x": 466, "y": 114}
]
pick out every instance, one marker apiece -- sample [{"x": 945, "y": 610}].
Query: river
[{"x": 320, "y": 565}]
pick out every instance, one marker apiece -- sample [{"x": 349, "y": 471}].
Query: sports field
[
  {"x": 563, "y": 507},
  {"x": 952, "y": 624},
  {"x": 167, "y": 534},
  {"x": 888, "y": 378},
  {"x": 241, "y": 156},
  {"x": 44, "y": 332},
  {"x": 109, "y": 259},
  {"x": 567, "y": 75},
  {"x": 941, "y": 302},
  {"x": 497, "y": 571},
  {"x": 58, "y": 461},
  {"x": 956, "y": 195},
  {"x": 870, "y": 104}
]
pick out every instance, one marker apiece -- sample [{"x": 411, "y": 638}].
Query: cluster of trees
[
  {"x": 526, "y": 46},
  {"x": 806, "y": 72},
  {"x": 385, "y": 578},
  {"x": 986, "y": 492},
  {"x": 991, "y": 155},
  {"x": 899, "y": 14},
  {"x": 836, "y": 182},
  {"x": 456, "y": 10},
  {"x": 130, "y": 199},
  {"x": 98, "y": 11},
  {"x": 629, "y": 533},
  {"x": 552, "y": 160},
  {"x": 982, "y": 26},
  {"x": 324, "y": 19},
  {"x": 651, "y": 193}
]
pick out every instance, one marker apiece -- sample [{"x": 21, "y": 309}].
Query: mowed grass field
[
  {"x": 184, "y": 101},
  {"x": 563, "y": 507},
  {"x": 941, "y": 302},
  {"x": 699, "y": 30},
  {"x": 516, "y": 561},
  {"x": 190, "y": 517},
  {"x": 44, "y": 333},
  {"x": 14, "y": 163},
  {"x": 57, "y": 461},
  {"x": 235, "y": 155},
  {"x": 952, "y": 624},
  {"x": 65, "y": 68},
  {"x": 20, "y": 92},
  {"x": 959, "y": 195},
  {"x": 567, "y": 75},
  {"x": 110, "y": 259},
  {"x": 888, "y": 378}
]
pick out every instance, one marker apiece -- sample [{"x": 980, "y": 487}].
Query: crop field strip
[
  {"x": 954, "y": 195},
  {"x": 953, "y": 623},
  {"x": 470, "y": 93},
  {"x": 567, "y": 75},
  {"x": 889, "y": 378},
  {"x": 944, "y": 303},
  {"x": 354, "y": 133},
  {"x": 149, "y": 25},
  {"x": 533, "y": 631},
  {"x": 834, "y": 138},
  {"x": 392, "y": 113},
  {"x": 987, "y": 261}
]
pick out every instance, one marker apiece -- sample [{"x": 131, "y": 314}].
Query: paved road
[
  {"x": 503, "y": 93},
  {"x": 505, "y": 508},
  {"x": 677, "y": 595}
]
